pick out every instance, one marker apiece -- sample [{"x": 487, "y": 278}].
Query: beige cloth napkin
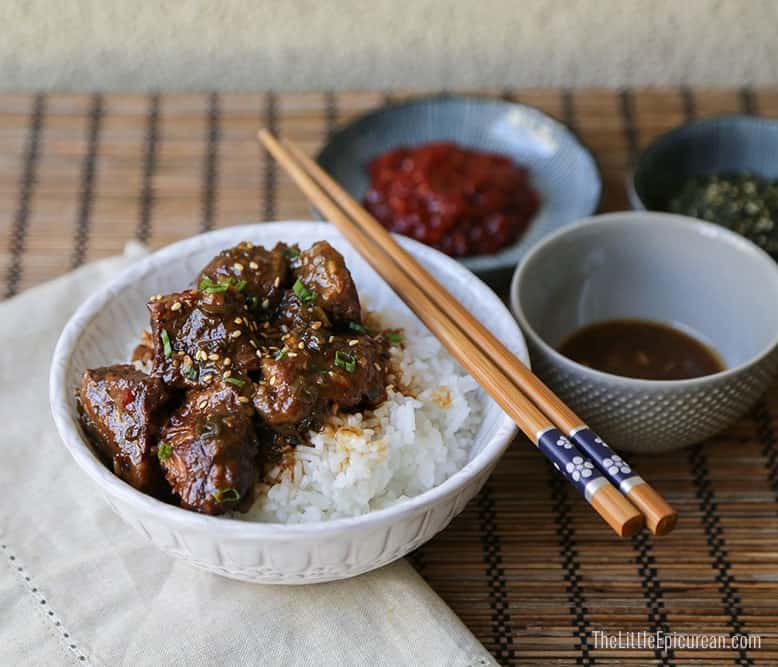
[{"x": 77, "y": 586}]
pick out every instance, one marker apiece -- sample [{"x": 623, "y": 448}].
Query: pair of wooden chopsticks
[{"x": 601, "y": 476}]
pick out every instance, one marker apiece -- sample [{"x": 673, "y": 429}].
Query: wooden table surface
[{"x": 527, "y": 566}]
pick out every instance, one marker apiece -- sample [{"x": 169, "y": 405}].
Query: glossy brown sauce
[{"x": 641, "y": 349}]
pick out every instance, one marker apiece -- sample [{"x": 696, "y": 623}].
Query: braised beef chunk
[
  {"x": 293, "y": 313},
  {"x": 263, "y": 271},
  {"x": 324, "y": 278},
  {"x": 197, "y": 335},
  {"x": 358, "y": 371},
  {"x": 121, "y": 409},
  {"x": 301, "y": 385},
  {"x": 208, "y": 449},
  {"x": 289, "y": 389}
]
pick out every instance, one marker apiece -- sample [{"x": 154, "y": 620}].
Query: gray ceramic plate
[{"x": 561, "y": 169}]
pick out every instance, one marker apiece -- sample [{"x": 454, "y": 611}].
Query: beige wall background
[{"x": 299, "y": 44}]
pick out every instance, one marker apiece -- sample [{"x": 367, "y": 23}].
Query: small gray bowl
[
  {"x": 690, "y": 274},
  {"x": 725, "y": 144},
  {"x": 561, "y": 169}
]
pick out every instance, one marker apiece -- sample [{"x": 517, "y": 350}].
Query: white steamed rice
[{"x": 366, "y": 461}]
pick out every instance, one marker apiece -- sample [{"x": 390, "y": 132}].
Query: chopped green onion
[
  {"x": 291, "y": 252},
  {"x": 189, "y": 372},
  {"x": 280, "y": 354},
  {"x": 303, "y": 293},
  {"x": 167, "y": 348},
  {"x": 164, "y": 451},
  {"x": 345, "y": 361},
  {"x": 226, "y": 495},
  {"x": 253, "y": 303},
  {"x": 360, "y": 328},
  {"x": 393, "y": 338},
  {"x": 207, "y": 285},
  {"x": 236, "y": 381}
]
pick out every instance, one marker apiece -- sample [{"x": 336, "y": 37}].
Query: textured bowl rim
[
  {"x": 60, "y": 394},
  {"x": 480, "y": 263},
  {"x": 620, "y": 219},
  {"x": 666, "y": 139}
]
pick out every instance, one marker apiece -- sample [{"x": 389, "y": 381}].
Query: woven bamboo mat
[{"x": 527, "y": 566}]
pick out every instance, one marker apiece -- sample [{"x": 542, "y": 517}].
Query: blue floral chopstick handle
[
  {"x": 576, "y": 467},
  {"x": 615, "y": 468}
]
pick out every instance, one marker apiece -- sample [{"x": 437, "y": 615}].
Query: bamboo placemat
[{"x": 527, "y": 566}]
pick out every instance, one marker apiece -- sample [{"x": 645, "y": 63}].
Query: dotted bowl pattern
[{"x": 657, "y": 419}]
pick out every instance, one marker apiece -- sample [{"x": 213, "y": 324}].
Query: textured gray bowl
[
  {"x": 691, "y": 274},
  {"x": 561, "y": 169},
  {"x": 715, "y": 145}
]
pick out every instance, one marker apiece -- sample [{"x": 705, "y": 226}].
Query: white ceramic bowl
[
  {"x": 653, "y": 266},
  {"x": 105, "y": 329}
]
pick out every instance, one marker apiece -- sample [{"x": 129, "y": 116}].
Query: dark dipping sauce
[
  {"x": 460, "y": 201},
  {"x": 641, "y": 349}
]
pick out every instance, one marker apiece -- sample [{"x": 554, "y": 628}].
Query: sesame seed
[
  {"x": 176, "y": 306},
  {"x": 331, "y": 339},
  {"x": 301, "y": 345},
  {"x": 377, "y": 365},
  {"x": 291, "y": 354},
  {"x": 227, "y": 361},
  {"x": 236, "y": 334},
  {"x": 207, "y": 378},
  {"x": 259, "y": 353},
  {"x": 277, "y": 281},
  {"x": 202, "y": 405},
  {"x": 243, "y": 399},
  {"x": 213, "y": 356},
  {"x": 272, "y": 380},
  {"x": 238, "y": 320},
  {"x": 266, "y": 325},
  {"x": 353, "y": 342},
  {"x": 265, "y": 304},
  {"x": 238, "y": 267},
  {"x": 316, "y": 325},
  {"x": 253, "y": 343},
  {"x": 253, "y": 265},
  {"x": 226, "y": 374}
]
